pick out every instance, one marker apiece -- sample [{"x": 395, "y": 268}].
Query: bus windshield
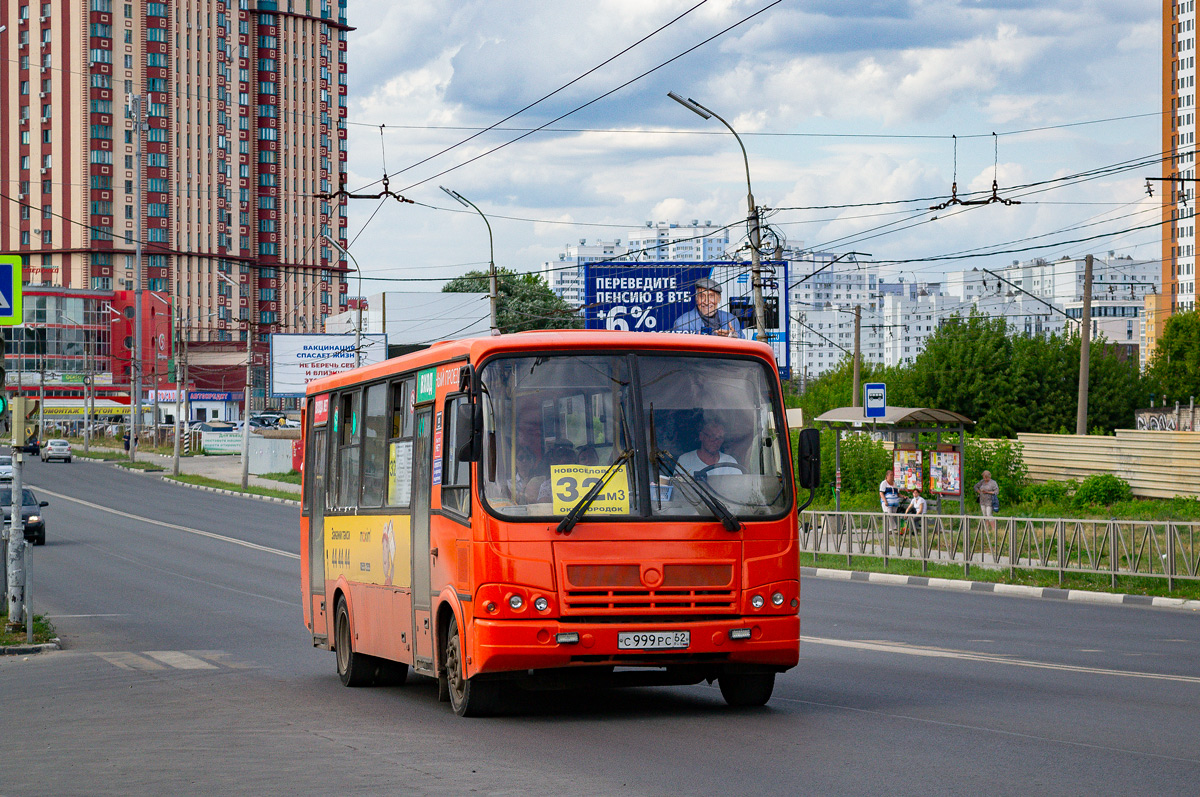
[{"x": 668, "y": 434}]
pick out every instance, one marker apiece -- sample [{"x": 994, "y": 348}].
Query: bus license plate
[{"x": 653, "y": 640}]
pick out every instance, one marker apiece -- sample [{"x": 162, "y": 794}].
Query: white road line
[
  {"x": 966, "y": 655},
  {"x": 180, "y": 660},
  {"x": 130, "y": 661},
  {"x": 164, "y": 524}
]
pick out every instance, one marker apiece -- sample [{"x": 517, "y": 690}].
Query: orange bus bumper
[{"x": 506, "y": 645}]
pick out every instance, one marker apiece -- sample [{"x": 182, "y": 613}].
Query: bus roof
[{"x": 476, "y": 349}]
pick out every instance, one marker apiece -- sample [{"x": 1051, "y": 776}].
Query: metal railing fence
[{"x": 1145, "y": 548}]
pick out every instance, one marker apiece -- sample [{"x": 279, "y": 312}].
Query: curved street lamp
[
  {"x": 492, "y": 288},
  {"x": 751, "y": 215}
]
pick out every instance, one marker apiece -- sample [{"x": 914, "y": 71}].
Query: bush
[
  {"x": 1004, "y": 458},
  {"x": 1051, "y": 492},
  {"x": 1102, "y": 488}
]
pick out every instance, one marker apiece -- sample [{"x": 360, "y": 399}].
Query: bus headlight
[
  {"x": 757, "y": 601},
  {"x": 777, "y": 599},
  {"x": 541, "y": 604},
  {"x": 515, "y": 602}
]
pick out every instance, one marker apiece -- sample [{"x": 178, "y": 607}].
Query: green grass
[
  {"x": 204, "y": 481},
  {"x": 1133, "y": 585},
  {"x": 291, "y": 476},
  {"x": 43, "y": 630}
]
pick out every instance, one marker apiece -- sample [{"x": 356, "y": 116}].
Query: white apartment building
[
  {"x": 565, "y": 275},
  {"x": 674, "y": 242},
  {"x": 822, "y": 295},
  {"x": 1178, "y": 269}
]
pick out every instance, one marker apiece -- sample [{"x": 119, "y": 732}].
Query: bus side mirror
[
  {"x": 465, "y": 432},
  {"x": 808, "y": 459}
]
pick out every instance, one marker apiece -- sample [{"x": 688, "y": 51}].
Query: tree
[
  {"x": 1174, "y": 369},
  {"x": 523, "y": 301}
]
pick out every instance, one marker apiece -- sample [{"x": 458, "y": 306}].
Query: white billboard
[{"x": 297, "y": 360}]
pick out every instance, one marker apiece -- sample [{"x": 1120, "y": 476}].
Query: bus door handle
[{"x": 433, "y": 552}]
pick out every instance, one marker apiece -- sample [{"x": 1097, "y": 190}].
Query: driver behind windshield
[{"x": 709, "y": 453}]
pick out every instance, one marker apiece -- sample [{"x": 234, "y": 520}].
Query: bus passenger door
[
  {"x": 315, "y": 474},
  {"x": 421, "y": 485}
]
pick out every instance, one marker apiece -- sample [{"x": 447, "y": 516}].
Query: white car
[
  {"x": 5, "y": 468},
  {"x": 56, "y": 449}
]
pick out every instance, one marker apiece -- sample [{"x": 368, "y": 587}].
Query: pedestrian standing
[{"x": 989, "y": 497}]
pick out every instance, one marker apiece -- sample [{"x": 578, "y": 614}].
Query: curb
[
  {"x": 270, "y": 498},
  {"x": 1017, "y": 590},
  {"x": 25, "y": 650},
  {"x": 165, "y": 477}
]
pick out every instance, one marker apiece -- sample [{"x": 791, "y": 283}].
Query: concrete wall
[
  {"x": 1156, "y": 464},
  {"x": 269, "y": 455}
]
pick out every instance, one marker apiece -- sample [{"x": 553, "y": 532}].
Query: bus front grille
[{"x": 647, "y": 601}]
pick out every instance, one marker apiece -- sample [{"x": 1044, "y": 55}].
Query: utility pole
[
  {"x": 180, "y": 426},
  {"x": 15, "y": 532},
  {"x": 1085, "y": 348},
  {"x": 249, "y": 393},
  {"x": 136, "y": 102},
  {"x": 855, "y": 395}
]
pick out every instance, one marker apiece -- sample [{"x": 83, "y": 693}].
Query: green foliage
[
  {"x": 1174, "y": 370},
  {"x": 1051, "y": 492},
  {"x": 523, "y": 301},
  {"x": 1003, "y": 458},
  {"x": 1102, "y": 488},
  {"x": 1005, "y": 383},
  {"x": 864, "y": 461}
]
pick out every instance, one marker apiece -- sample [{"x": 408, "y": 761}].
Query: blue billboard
[{"x": 661, "y": 297}]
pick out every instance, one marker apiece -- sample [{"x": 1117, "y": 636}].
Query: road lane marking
[
  {"x": 130, "y": 661},
  {"x": 880, "y": 646},
  {"x": 175, "y": 526},
  {"x": 180, "y": 660}
]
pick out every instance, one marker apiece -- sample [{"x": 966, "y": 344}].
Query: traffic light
[{"x": 24, "y": 424}]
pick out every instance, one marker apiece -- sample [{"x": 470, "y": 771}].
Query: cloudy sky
[{"x": 838, "y": 103}]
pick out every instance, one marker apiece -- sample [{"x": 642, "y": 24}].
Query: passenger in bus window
[
  {"x": 709, "y": 453},
  {"x": 560, "y": 453}
]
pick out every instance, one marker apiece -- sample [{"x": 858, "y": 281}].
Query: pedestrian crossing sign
[{"x": 10, "y": 290}]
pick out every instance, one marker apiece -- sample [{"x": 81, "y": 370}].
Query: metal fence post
[
  {"x": 1114, "y": 558},
  {"x": 1059, "y": 542},
  {"x": 1012, "y": 541},
  {"x": 924, "y": 547},
  {"x": 966, "y": 547}
]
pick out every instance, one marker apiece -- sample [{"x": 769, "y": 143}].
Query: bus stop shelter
[{"x": 900, "y": 424}]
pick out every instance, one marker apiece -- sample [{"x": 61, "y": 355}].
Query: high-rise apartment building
[
  {"x": 1179, "y": 155},
  {"x": 243, "y": 106}
]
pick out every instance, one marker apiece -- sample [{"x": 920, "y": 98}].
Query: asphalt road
[{"x": 188, "y": 670}]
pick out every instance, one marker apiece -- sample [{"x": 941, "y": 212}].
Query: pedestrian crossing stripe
[{"x": 150, "y": 660}]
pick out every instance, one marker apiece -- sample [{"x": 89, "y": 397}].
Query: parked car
[
  {"x": 57, "y": 449},
  {"x": 31, "y": 514},
  {"x": 213, "y": 426},
  {"x": 266, "y": 421},
  {"x": 5, "y": 468}
]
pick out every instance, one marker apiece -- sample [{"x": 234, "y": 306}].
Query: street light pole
[
  {"x": 358, "y": 324},
  {"x": 752, "y": 222},
  {"x": 493, "y": 290},
  {"x": 248, "y": 394},
  {"x": 136, "y": 102}
]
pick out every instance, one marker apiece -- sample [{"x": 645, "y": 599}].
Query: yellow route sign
[{"x": 570, "y": 483}]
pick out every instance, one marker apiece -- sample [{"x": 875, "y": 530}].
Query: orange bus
[{"x": 551, "y": 509}]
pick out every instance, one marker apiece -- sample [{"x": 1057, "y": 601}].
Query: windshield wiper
[
  {"x": 703, "y": 491},
  {"x": 568, "y": 523}
]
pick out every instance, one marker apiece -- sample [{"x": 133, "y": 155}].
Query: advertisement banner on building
[
  {"x": 661, "y": 297},
  {"x": 297, "y": 360}
]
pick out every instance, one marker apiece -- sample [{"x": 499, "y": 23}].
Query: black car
[{"x": 31, "y": 514}]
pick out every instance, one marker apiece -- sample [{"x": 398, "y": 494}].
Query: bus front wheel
[
  {"x": 469, "y": 697},
  {"x": 743, "y": 689},
  {"x": 354, "y": 669}
]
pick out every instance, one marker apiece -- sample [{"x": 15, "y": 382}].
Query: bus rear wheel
[
  {"x": 746, "y": 689},
  {"x": 469, "y": 697},
  {"x": 354, "y": 669}
]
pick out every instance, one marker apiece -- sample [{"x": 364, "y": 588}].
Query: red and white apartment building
[{"x": 244, "y": 110}]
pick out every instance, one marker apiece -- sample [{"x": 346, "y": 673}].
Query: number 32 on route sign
[
  {"x": 10, "y": 290},
  {"x": 570, "y": 483}
]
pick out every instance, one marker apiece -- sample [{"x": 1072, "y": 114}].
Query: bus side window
[
  {"x": 374, "y": 452},
  {"x": 349, "y": 449},
  {"x": 400, "y": 445},
  {"x": 456, "y": 473}
]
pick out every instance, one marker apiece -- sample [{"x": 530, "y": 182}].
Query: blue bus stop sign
[
  {"x": 874, "y": 400},
  {"x": 10, "y": 290}
]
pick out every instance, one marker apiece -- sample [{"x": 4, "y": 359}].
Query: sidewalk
[{"x": 226, "y": 468}]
